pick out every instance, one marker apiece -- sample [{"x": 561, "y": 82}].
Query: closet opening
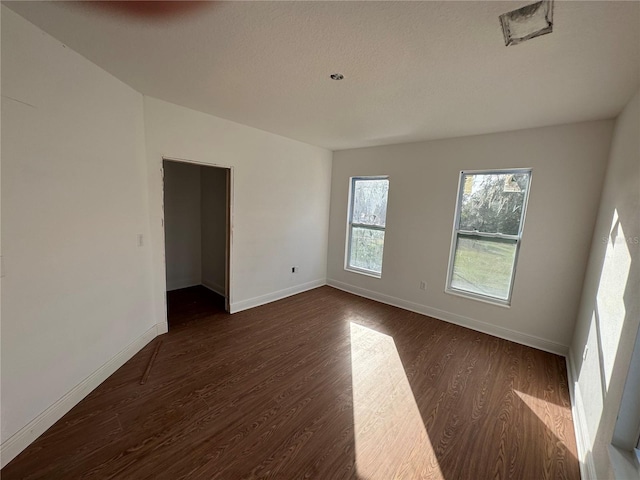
[{"x": 197, "y": 232}]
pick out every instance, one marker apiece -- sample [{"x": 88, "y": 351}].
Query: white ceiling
[{"x": 413, "y": 70}]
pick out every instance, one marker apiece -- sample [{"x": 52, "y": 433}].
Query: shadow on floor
[{"x": 192, "y": 303}]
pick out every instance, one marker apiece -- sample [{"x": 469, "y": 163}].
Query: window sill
[
  {"x": 367, "y": 273},
  {"x": 479, "y": 298},
  {"x": 625, "y": 463}
]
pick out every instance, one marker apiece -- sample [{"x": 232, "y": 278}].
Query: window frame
[
  {"x": 517, "y": 239},
  {"x": 351, "y": 225},
  {"x": 624, "y": 449}
]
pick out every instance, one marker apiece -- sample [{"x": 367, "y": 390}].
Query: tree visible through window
[
  {"x": 367, "y": 222},
  {"x": 487, "y": 232}
]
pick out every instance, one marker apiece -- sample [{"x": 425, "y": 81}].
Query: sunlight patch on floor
[
  {"x": 539, "y": 407},
  {"x": 390, "y": 438},
  {"x": 554, "y": 425}
]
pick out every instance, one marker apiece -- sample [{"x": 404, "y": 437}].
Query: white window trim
[
  {"x": 517, "y": 238},
  {"x": 350, "y": 225},
  {"x": 624, "y": 450}
]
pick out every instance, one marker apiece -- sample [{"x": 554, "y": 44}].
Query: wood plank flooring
[
  {"x": 189, "y": 304},
  {"x": 322, "y": 385}
]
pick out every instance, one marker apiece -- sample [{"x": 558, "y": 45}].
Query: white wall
[
  {"x": 77, "y": 289},
  {"x": 609, "y": 312},
  {"x": 281, "y": 190},
  {"x": 214, "y": 215},
  {"x": 568, "y": 165},
  {"x": 182, "y": 225}
]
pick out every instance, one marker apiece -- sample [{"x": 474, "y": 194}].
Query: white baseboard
[
  {"x": 183, "y": 283},
  {"x": 583, "y": 441},
  {"x": 214, "y": 287},
  {"x": 496, "y": 331},
  {"x": 162, "y": 328},
  {"x": 36, "y": 427},
  {"x": 272, "y": 297}
]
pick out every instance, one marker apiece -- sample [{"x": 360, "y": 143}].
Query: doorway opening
[{"x": 197, "y": 231}]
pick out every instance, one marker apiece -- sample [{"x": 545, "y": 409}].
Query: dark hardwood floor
[
  {"x": 322, "y": 385},
  {"x": 192, "y": 303}
]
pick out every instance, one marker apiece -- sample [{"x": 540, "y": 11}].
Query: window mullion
[
  {"x": 367, "y": 226},
  {"x": 488, "y": 235}
]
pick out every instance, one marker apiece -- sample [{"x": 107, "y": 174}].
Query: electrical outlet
[{"x": 423, "y": 285}]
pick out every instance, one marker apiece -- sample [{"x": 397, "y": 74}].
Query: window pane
[
  {"x": 483, "y": 265},
  {"x": 370, "y": 202},
  {"x": 366, "y": 249},
  {"x": 493, "y": 203}
]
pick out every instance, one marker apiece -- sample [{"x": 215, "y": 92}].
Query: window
[
  {"x": 487, "y": 233},
  {"x": 367, "y": 221}
]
